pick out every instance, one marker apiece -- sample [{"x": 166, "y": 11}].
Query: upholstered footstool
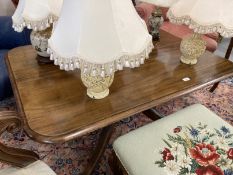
[
  {"x": 36, "y": 168},
  {"x": 193, "y": 141}
]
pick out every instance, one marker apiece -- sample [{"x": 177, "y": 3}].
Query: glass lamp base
[
  {"x": 39, "y": 40},
  {"x": 97, "y": 86},
  {"x": 192, "y": 48},
  {"x": 188, "y": 60},
  {"x": 99, "y": 95}
]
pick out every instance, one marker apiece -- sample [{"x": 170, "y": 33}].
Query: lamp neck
[{"x": 197, "y": 35}]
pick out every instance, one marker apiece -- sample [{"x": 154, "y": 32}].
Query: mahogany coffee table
[{"x": 55, "y": 108}]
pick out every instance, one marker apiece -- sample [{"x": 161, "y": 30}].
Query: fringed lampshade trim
[
  {"x": 198, "y": 28},
  {"x": 34, "y": 25},
  {"x": 102, "y": 70}
]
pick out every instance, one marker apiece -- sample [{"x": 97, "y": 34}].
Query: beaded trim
[
  {"x": 187, "y": 20},
  {"x": 35, "y": 25},
  {"x": 132, "y": 61}
]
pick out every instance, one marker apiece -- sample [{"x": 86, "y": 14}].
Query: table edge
[{"x": 102, "y": 123}]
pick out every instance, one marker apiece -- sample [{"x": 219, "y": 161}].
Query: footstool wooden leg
[
  {"x": 104, "y": 138},
  {"x": 116, "y": 166},
  {"x": 152, "y": 114},
  {"x": 14, "y": 156}
]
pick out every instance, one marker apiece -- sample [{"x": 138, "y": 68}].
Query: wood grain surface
[{"x": 55, "y": 107}]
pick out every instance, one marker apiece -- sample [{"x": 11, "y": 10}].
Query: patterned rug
[{"x": 70, "y": 158}]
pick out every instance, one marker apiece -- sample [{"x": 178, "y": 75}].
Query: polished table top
[{"x": 55, "y": 107}]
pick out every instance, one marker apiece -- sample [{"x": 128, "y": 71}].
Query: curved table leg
[
  {"x": 104, "y": 138},
  {"x": 215, "y": 85},
  {"x": 14, "y": 156}
]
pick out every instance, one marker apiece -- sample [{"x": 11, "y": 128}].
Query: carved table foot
[{"x": 14, "y": 156}]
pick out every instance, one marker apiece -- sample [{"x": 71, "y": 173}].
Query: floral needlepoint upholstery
[
  {"x": 193, "y": 141},
  {"x": 197, "y": 150}
]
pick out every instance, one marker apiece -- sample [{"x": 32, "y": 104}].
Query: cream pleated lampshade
[
  {"x": 36, "y": 14},
  {"x": 99, "y": 37},
  {"x": 204, "y": 16},
  {"x": 160, "y": 3}
]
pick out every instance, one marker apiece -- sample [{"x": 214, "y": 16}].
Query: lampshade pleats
[
  {"x": 36, "y": 14},
  {"x": 204, "y": 16},
  {"x": 99, "y": 37},
  {"x": 17, "y": 17},
  {"x": 161, "y": 3}
]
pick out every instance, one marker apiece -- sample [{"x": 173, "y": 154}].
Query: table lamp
[
  {"x": 37, "y": 15},
  {"x": 203, "y": 16},
  {"x": 156, "y": 19},
  {"x": 99, "y": 38}
]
